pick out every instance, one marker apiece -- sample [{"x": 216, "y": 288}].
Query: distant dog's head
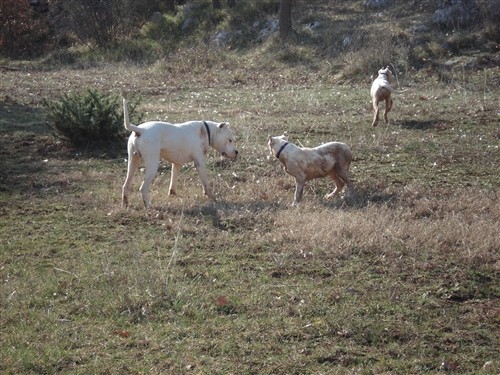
[
  {"x": 275, "y": 143},
  {"x": 223, "y": 141},
  {"x": 385, "y": 72}
]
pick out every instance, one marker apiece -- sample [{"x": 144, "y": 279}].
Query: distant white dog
[
  {"x": 330, "y": 159},
  {"x": 176, "y": 143},
  {"x": 381, "y": 91}
]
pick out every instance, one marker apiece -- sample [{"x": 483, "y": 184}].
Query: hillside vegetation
[{"x": 401, "y": 277}]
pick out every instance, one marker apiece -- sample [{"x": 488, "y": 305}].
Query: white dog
[
  {"x": 330, "y": 159},
  {"x": 381, "y": 91},
  {"x": 176, "y": 143}
]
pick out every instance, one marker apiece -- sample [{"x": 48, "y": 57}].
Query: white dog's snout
[{"x": 231, "y": 157}]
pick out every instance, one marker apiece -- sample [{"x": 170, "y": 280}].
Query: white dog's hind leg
[
  {"x": 134, "y": 161},
  {"x": 176, "y": 168},
  {"x": 376, "y": 110},
  {"x": 149, "y": 175},
  {"x": 388, "y": 106}
]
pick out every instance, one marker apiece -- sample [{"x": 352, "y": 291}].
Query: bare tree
[
  {"x": 100, "y": 23},
  {"x": 285, "y": 18},
  {"x": 170, "y": 5}
]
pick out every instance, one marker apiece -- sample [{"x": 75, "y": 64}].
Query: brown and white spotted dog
[
  {"x": 176, "y": 143},
  {"x": 330, "y": 159}
]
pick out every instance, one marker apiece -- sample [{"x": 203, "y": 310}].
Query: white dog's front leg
[
  {"x": 176, "y": 168},
  {"x": 202, "y": 172},
  {"x": 299, "y": 189}
]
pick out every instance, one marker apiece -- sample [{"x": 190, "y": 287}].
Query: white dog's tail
[{"x": 126, "y": 120}]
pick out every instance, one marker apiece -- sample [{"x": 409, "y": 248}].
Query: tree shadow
[
  {"x": 18, "y": 167},
  {"x": 15, "y": 117},
  {"x": 23, "y": 134},
  {"x": 28, "y": 150}
]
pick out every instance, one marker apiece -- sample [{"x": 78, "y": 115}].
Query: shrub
[
  {"x": 89, "y": 118},
  {"x": 167, "y": 31}
]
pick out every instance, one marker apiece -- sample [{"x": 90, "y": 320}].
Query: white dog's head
[
  {"x": 223, "y": 141},
  {"x": 275, "y": 143}
]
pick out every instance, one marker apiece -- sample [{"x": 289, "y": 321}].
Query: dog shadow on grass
[
  {"x": 223, "y": 218},
  {"x": 362, "y": 197},
  {"x": 226, "y": 215},
  {"x": 422, "y": 124},
  {"x": 240, "y": 216}
]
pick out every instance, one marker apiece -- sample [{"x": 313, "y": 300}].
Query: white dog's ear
[{"x": 222, "y": 124}]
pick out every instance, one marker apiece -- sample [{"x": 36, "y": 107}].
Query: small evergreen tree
[{"x": 89, "y": 118}]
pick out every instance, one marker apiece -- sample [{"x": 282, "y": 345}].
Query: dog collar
[
  {"x": 280, "y": 150},
  {"x": 208, "y": 131}
]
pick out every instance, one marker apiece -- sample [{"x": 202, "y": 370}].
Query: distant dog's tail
[
  {"x": 387, "y": 86},
  {"x": 126, "y": 120},
  {"x": 397, "y": 81},
  {"x": 399, "y": 91}
]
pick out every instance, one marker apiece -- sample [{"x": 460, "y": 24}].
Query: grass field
[
  {"x": 399, "y": 278},
  {"x": 402, "y": 277}
]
